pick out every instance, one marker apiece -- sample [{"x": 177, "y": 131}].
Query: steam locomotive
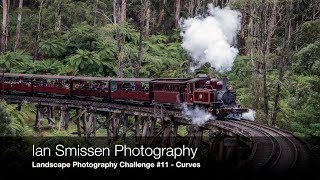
[{"x": 209, "y": 93}]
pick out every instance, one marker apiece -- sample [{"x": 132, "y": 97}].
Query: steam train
[{"x": 215, "y": 96}]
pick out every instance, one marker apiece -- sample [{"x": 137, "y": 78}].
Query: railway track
[
  {"x": 266, "y": 149},
  {"x": 282, "y": 151},
  {"x": 273, "y": 148},
  {"x": 295, "y": 152}
]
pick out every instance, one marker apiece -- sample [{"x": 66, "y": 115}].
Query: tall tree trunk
[
  {"x": 58, "y": 17},
  {"x": 254, "y": 87},
  {"x": 143, "y": 26},
  {"x": 177, "y": 13},
  {"x": 141, "y": 33},
  {"x": 190, "y": 7},
  {"x": 95, "y": 4},
  {"x": 115, "y": 11},
  {"x": 153, "y": 20},
  {"x": 198, "y": 7},
  {"x": 315, "y": 6},
  {"x": 263, "y": 30},
  {"x": 283, "y": 60},
  {"x": 116, "y": 19},
  {"x": 271, "y": 26},
  {"x": 123, "y": 10},
  {"x": 18, "y": 29},
  {"x": 147, "y": 18},
  {"x": 215, "y": 2},
  {"x": 38, "y": 32},
  {"x": 5, "y": 24},
  {"x": 13, "y": 5},
  {"x": 161, "y": 14}
]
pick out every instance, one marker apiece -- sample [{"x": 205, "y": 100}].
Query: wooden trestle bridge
[{"x": 252, "y": 144}]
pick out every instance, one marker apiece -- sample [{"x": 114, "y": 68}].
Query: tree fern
[
  {"x": 52, "y": 47},
  {"x": 13, "y": 61}
]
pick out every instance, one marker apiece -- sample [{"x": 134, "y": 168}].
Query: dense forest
[{"x": 276, "y": 72}]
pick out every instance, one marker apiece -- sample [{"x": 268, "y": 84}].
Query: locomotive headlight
[{"x": 200, "y": 96}]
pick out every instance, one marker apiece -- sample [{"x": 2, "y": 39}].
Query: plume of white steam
[
  {"x": 251, "y": 115},
  {"x": 198, "y": 116},
  {"x": 209, "y": 39}
]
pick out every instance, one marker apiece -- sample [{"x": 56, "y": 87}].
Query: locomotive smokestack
[{"x": 224, "y": 82}]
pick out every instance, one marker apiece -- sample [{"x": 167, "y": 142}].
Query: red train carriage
[
  {"x": 19, "y": 83},
  {"x": 52, "y": 85},
  {"x": 169, "y": 91},
  {"x": 91, "y": 87},
  {"x": 132, "y": 89}
]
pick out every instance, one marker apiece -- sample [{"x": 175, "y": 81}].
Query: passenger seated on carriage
[
  {"x": 77, "y": 86},
  {"x": 66, "y": 85},
  {"x": 133, "y": 87},
  {"x": 145, "y": 87},
  {"x": 43, "y": 83},
  {"x": 99, "y": 87}
]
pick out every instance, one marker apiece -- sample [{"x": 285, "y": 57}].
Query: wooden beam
[
  {"x": 78, "y": 122},
  {"x": 145, "y": 131},
  {"x": 36, "y": 123},
  {"x": 125, "y": 126},
  {"x": 137, "y": 124}
]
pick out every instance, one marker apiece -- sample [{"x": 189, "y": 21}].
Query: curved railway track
[
  {"x": 273, "y": 148},
  {"x": 282, "y": 151},
  {"x": 295, "y": 152}
]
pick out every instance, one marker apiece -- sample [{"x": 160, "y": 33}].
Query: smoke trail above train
[{"x": 210, "y": 38}]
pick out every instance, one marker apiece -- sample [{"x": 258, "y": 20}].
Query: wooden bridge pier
[
  {"x": 44, "y": 112},
  {"x": 64, "y": 118},
  {"x": 195, "y": 134}
]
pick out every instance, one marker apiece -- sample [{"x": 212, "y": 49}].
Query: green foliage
[
  {"x": 309, "y": 33},
  {"x": 240, "y": 78},
  {"x": 307, "y": 60},
  {"x": 48, "y": 66},
  {"x": 12, "y": 122},
  {"x": 302, "y": 104},
  {"x": 18, "y": 125},
  {"x": 52, "y": 47},
  {"x": 14, "y": 61},
  {"x": 81, "y": 36},
  {"x": 5, "y": 120},
  {"x": 304, "y": 89},
  {"x": 106, "y": 51},
  {"x": 71, "y": 12},
  {"x": 86, "y": 62},
  {"x": 163, "y": 58}
]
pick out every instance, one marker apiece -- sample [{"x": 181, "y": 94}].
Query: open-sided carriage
[
  {"x": 16, "y": 83},
  {"x": 52, "y": 85},
  {"x": 92, "y": 87}
]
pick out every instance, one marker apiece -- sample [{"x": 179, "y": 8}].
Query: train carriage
[
  {"x": 169, "y": 91},
  {"x": 97, "y": 87},
  {"x": 16, "y": 83},
  {"x": 52, "y": 85},
  {"x": 130, "y": 89}
]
